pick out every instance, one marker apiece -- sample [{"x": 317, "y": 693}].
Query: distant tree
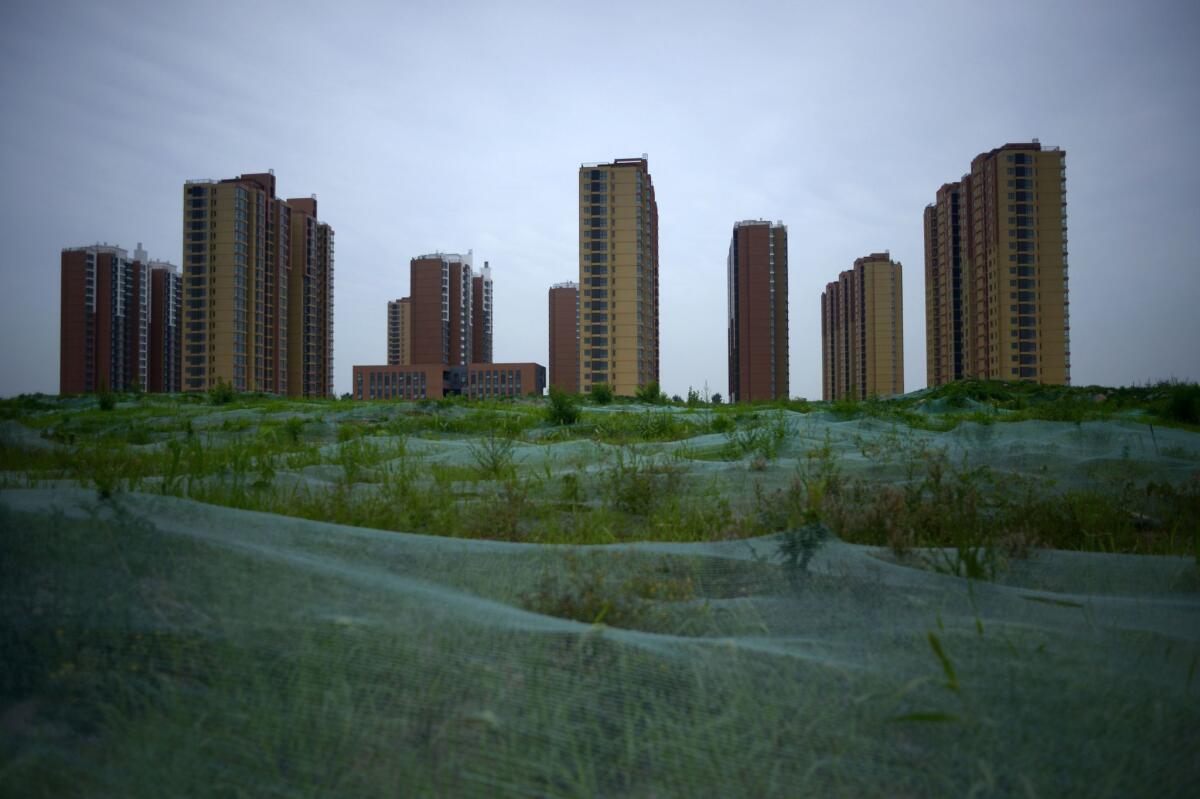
[
  {"x": 650, "y": 393},
  {"x": 107, "y": 399},
  {"x": 563, "y": 408},
  {"x": 221, "y": 392},
  {"x": 601, "y": 394},
  {"x": 693, "y": 397},
  {"x": 716, "y": 398}
]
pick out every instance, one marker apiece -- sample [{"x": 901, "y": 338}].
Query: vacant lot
[{"x": 988, "y": 588}]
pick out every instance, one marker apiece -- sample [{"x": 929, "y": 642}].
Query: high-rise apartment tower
[
  {"x": 862, "y": 331},
  {"x": 105, "y": 307},
  {"x": 757, "y": 270},
  {"x": 618, "y": 276},
  {"x": 164, "y": 372},
  {"x": 564, "y": 337},
  {"x": 996, "y": 290},
  {"x": 244, "y": 320},
  {"x": 481, "y": 315},
  {"x": 400, "y": 332},
  {"x": 440, "y": 297},
  {"x": 310, "y": 302}
]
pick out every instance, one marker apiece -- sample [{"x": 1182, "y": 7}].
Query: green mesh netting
[{"x": 153, "y": 645}]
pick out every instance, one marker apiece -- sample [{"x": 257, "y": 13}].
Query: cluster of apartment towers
[{"x": 254, "y": 304}]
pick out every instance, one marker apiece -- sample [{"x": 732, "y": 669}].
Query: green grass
[{"x": 490, "y": 469}]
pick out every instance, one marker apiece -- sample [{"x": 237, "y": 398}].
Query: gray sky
[{"x": 455, "y": 126}]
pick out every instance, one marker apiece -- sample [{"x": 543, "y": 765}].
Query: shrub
[
  {"x": 602, "y": 394},
  {"x": 563, "y": 409},
  {"x": 637, "y": 484},
  {"x": 1182, "y": 403},
  {"x": 493, "y": 456},
  {"x": 650, "y": 393},
  {"x": 221, "y": 392},
  {"x": 107, "y": 399},
  {"x": 614, "y": 589}
]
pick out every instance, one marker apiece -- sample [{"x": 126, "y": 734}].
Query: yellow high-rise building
[
  {"x": 257, "y": 289},
  {"x": 618, "y": 276},
  {"x": 996, "y": 288},
  {"x": 862, "y": 331}
]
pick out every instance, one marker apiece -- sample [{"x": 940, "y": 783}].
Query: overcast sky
[{"x": 454, "y": 126}]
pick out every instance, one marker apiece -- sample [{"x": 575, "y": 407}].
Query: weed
[
  {"x": 293, "y": 429},
  {"x": 636, "y": 484},
  {"x": 222, "y": 392},
  {"x": 493, "y": 456},
  {"x": 616, "y": 589},
  {"x": 797, "y": 547},
  {"x": 107, "y": 400},
  {"x": 650, "y": 394},
  {"x": 601, "y": 394},
  {"x": 563, "y": 409}
]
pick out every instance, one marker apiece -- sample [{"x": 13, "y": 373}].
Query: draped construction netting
[{"x": 154, "y": 645}]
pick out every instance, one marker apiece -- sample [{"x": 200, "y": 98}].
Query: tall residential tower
[
  {"x": 440, "y": 297},
  {"x": 996, "y": 290},
  {"x": 618, "y": 276},
  {"x": 105, "y": 306},
  {"x": 862, "y": 331},
  {"x": 564, "y": 337},
  {"x": 258, "y": 289},
  {"x": 400, "y": 331},
  {"x": 758, "y": 311},
  {"x": 481, "y": 315},
  {"x": 164, "y": 373}
]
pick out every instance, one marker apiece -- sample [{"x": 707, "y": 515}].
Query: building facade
[
  {"x": 244, "y": 247},
  {"x": 164, "y": 372},
  {"x": 997, "y": 291},
  {"x": 105, "y": 307},
  {"x": 440, "y": 295},
  {"x": 481, "y": 315},
  {"x": 862, "y": 331},
  {"x": 310, "y": 302},
  {"x": 564, "y": 337},
  {"x": 400, "y": 331},
  {"x": 618, "y": 276},
  {"x": 757, "y": 272},
  {"x": 434, "y": 381}
]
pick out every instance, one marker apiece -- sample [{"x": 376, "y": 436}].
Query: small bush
[
  {"x": 601, "y": 394},
  {"x": 221, "y": 393},
  {"x": 107, "y": 399},
  {"x": 613, "y": 589},
  {"x": 563, "y": 409},
  {"x": 493, "y": 456},
  {"x": 1182, "y": 403},
  {"x": 650, "y": 393}
]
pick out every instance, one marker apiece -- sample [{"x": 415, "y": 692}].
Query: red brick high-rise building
[
  {"x": 310, "y": 302},
  {"x": 481, "y": 316},
  {"x": 440, "y": 301},
  {"x": 564, "y": 337},
  {"x": 164, "y": 373},
  {"x": 105, "y": 308},
  {"x": 757, "y": 270}
]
